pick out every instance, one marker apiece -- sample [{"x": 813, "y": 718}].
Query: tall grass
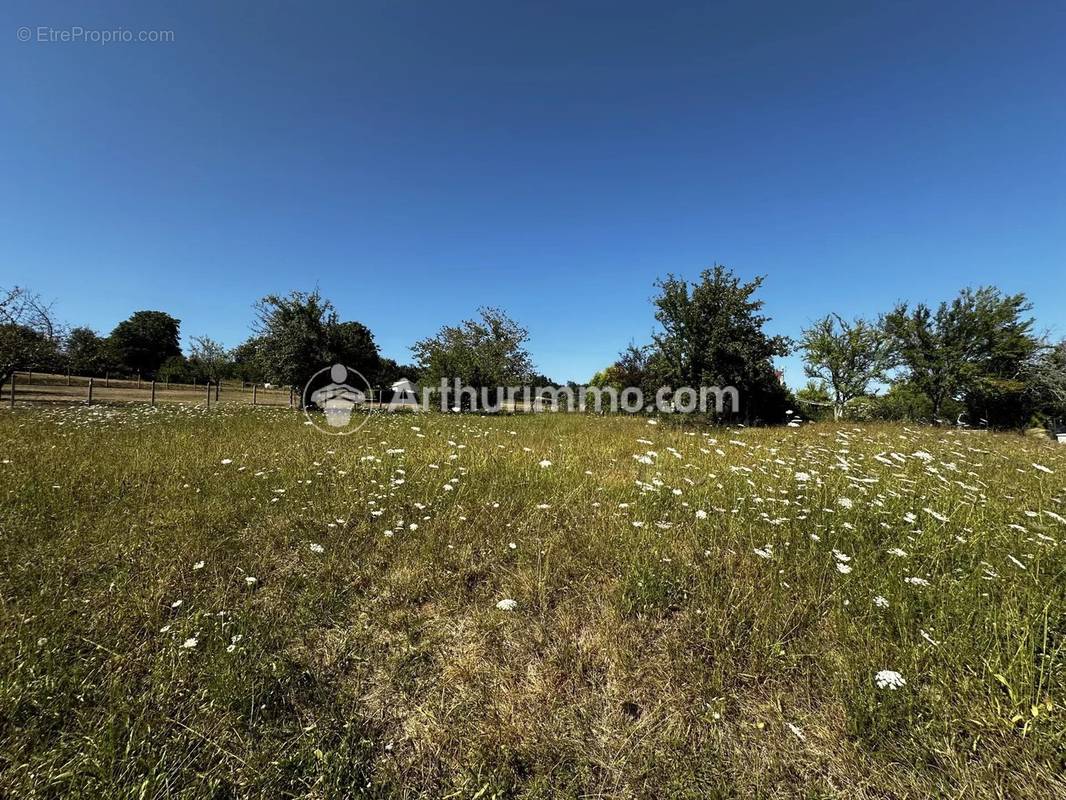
[{"x": 699, "y": 613}]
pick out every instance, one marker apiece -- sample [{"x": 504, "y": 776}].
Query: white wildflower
[
  {"x": 507, "y": 604},
  {"x": 889, "y": 679}
]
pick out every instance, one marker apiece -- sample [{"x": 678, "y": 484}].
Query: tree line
[
  {"x": 975, "y": 359},
  {"x": 291, "y": 333}
]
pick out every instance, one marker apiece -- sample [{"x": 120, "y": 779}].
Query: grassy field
[{"x": 231, "y": 604}]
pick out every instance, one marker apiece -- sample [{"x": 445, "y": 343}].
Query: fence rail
[
  {"x": 37, "y": 387},
  {"x": 44, "y": 387}
]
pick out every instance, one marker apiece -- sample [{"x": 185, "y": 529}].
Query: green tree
[
  {"x": 1044, "y": 377},
  {"x": 143, "y": 342},
  {"x": 300, "y": 334},
  {"x": 905, "y": 402},
  {"x": 209, "y": 360},
  {"x": 390, "y": 372},
  {"x": 608, "y": 378},
  {"x": 846, "y": 356},
  {"x": 637, "y": 366},
  {"x": 481, "y": 353},
  {"x": 247, "y": 363},
  {"x": 814, "y": 400},
  {"x": 86, "y": 352},
  {"x": 713, "y": 335},
  {"x": 175, "y": 369},
  {"x": 972, "y": 349},
  {"x": 352, "y": 344},
  {"x": 29, "y": 337}
]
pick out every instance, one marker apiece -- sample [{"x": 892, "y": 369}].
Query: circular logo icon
[{"x": 342, "y": 395}]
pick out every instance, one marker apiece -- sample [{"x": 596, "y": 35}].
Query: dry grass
[{"x": 652, "y": 652}]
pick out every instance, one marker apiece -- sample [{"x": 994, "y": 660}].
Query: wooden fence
[{"x": 36, "y": 387}]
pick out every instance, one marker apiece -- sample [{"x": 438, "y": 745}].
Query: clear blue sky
[{"x": 417, "y": 160}]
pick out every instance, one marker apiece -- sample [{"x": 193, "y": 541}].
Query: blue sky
[{"x": 417, "y": 160}]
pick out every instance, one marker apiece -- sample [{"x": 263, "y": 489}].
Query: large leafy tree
[
  {"x": 299, "y": 334},
  {"x": 713, "y": 335},
  {"x": 29, "y": 337},
  {"x": 87, "y": 353},
  {"x": 144, "y": 341},
  {"x": 846, "y": 356},
  {"x": 972, "y": 349},
  {"x": 484, "y": 352}
]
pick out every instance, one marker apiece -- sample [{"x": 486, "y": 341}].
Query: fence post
[
  {"x": 218, "y": 387},
  {"x": 12, "y": 389},
  {"x": 153, "y": 393},
  {"x": 68, "y": 377},
  {"x": 138, "y": 380},
  {"x": 254, "y": 387},
  {"x": 167, "y": 384},
  {"x": 107, "y": 380},
  {"x": 290, "y": 397},
  {"x": 90, "y": 402},
  {"x": 209, "y": 394}
]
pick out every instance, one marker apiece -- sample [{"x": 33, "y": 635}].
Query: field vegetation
[{"x": 228, "y": 603}]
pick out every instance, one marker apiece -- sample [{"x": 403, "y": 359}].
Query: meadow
[{"x": 228, "y": 603}]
